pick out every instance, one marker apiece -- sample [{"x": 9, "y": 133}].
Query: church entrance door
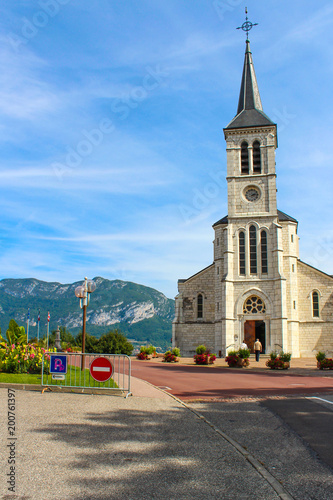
[{"x": 255, "y": 330}]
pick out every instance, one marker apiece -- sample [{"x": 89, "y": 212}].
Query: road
[{"x": 200, "y": 382}]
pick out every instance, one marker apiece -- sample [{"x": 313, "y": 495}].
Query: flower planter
[
  {"x": 143, "y": 357},
  {"x": 277, "y": 364},
  {"x": 325, "y": 364},
  {"x": 204, "y": 359},
  {"x": 242, "y": 363},
  {"x": 170, "y": 359}
]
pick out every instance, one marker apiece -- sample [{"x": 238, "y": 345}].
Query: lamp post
[{"x": 83, "y": 292}]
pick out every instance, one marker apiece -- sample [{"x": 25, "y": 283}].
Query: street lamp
[{"x": 83, "y": 292}]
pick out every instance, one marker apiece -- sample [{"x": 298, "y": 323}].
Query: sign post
[
  {"x": 101, "y": 369},
  {"x": 58, "y": 366}
]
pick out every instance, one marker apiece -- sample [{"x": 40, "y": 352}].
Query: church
[{"x": 257, "y": 286}]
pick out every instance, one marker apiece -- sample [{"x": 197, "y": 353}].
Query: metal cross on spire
[{"x": 247, "y": 26}]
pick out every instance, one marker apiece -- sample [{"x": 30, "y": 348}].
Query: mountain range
[{"x": 143, "y": 314}]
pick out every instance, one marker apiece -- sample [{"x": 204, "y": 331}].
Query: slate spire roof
[{"x": 249, "y": 112}]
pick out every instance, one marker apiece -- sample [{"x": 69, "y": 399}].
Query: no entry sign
[{"x": 101, "y": 369}]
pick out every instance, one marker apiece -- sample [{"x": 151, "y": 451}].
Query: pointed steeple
[
  {"x": 249, "y": 112},
  {"x": 249, "y": 97}
]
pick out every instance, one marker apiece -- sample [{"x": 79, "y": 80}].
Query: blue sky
[{"x": 112, "y": 156}]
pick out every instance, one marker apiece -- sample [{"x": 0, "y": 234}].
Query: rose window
[{"x": 254, "y": 305}]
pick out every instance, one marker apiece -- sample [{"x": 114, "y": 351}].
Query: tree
[
  {"x": 15, "y": 334},
  {"x": 91, "y": 342},
  {"x": 66, "y": 336},
  {"x": 114, "y": 342}
]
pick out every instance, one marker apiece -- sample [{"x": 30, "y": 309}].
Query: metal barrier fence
[{"x": 87, "y": 371}]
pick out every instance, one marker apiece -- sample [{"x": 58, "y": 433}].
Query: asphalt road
[
  {"x": 201, "y": 382},
  {"x": 311, "y": 419}
]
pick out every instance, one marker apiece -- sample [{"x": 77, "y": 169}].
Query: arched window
[
  {"x": 200, "y": 306},
  {"x": 256, "y": 158},
  {"x": 263, "y": 244},
  {"x": 315, "y": 304},
  {"x": 253, "y": 250},
  {"x": 244, "y": 158},
  {"x": 242, "y": 268}
]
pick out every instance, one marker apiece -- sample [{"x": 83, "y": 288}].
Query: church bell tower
[{"x": 248, "y": 252}]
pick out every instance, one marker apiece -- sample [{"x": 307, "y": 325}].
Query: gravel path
[{"x": 78, "y": 446}]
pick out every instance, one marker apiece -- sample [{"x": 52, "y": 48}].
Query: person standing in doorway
[{"x": 257, "y": 349}]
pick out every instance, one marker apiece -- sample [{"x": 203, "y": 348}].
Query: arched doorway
[
  {"x": 254, "y": 326},
  {"x": 255, "y": 329}
]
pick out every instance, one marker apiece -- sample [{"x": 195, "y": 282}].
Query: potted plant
[
  {"x": 243, "y": 355},
  {"x": 203, "y": 356},
  {"x": 320, "y": 356},
  {"x": 145, "y": 352},
  {"x": 285, "y": 357},
  {"x": 171, "y": 356},
  {"x": 326, "y": 363},
  {"x": 232, "y": 358},
  {"x": 238, "y": 358},
  {"x": 279, "y": 361}
]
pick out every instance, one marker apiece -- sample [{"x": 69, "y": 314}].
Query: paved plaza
[{"x": 152, "y": 446}]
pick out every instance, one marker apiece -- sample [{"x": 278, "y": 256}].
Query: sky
[{"x": 112, "y": 154}]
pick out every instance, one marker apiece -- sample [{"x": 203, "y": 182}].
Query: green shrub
[
  {"x": 113, "y": 342},
  {"x": 176, "y": 352},
  {"x": 320, "y": 356},
  {"x": 201, "y": 349},
  {"x": 244, "y": 353},
  {"x": 170, "y": 357},
  {"x": 285, "y": 356},
  {"x": 232, "y": 352},
  {"x": 147, "y": 349},
  {"x": 273, "y": 355}
]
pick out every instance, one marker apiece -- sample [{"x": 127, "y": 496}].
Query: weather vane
[{"x": 247, "y": 26}]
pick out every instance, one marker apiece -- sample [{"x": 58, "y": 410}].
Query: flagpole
[
  {"x": 47, "y": 331},
  {"x": 38, "y": 320},
  {"x": 28, "y": 320}
]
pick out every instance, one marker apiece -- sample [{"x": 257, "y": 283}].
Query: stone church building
[{"x": 257, "y": 286}]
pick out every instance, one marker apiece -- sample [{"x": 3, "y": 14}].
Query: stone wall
[
  {"x": 189, "y": 331},
  {"x": 315, "y": 333},
  {"x": 188, "y": 336}
]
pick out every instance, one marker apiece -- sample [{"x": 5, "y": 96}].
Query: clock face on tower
[{"x": 252, "y": 193}]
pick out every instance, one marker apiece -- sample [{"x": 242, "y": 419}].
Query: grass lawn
[
  {"x": 74, "y": 378},
  {"x": 20, "y": 378}
]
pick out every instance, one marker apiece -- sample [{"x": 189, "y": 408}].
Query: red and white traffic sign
[{"x": 101, "y": 369}]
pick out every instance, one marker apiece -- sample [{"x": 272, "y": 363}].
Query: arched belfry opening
[{"x": 245, "y": 168}]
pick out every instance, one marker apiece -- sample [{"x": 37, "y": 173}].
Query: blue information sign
[{"x": 58, "y": 363}]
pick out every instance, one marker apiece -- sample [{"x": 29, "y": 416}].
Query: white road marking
[
  {"x": 101, "y": 369},
  {"x": 321, "y": 399}
]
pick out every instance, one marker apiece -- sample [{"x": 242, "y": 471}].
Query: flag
[
  {"x": 48, "y": 317},
  {"x": 38, "y": 318},
  {"x": 28, "y": 313}
]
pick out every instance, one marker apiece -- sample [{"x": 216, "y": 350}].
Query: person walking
[{"x": 257, "y": 349}]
